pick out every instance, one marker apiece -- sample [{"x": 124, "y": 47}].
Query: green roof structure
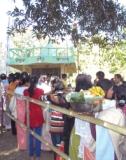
[{"x": 47, "y": 55}]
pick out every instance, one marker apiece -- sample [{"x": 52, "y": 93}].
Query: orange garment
[{"x": 88, "y": 155}]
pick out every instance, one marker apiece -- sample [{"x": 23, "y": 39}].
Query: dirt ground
[{"x": 9, "y": 151}]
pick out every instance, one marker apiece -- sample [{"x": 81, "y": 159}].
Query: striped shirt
[{"x": 56, "y": 122}]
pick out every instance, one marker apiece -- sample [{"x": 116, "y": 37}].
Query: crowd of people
[{"x": 82, "y": 140}]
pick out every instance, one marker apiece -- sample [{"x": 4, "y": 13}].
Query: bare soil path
[{"x": 9, "y": 150}]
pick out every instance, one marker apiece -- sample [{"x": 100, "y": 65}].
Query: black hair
[
  {"x": 121, "y": 95},
  {"x": 64, "y": 76},
  {"x": 105, "y": 84},
  {"x": 10, "y": 77},
  {"x": 33, "y": 82},
  {"x": 3, "y": 76},
  {"x": 100, "y": 75},
  {"x": 57, "y": 84},
  {"x": 119, "y": 76},
  {"x": 24, "y": 78},
  {"x": 16, "y": 76},
  {"x": 83, "y": 82}
]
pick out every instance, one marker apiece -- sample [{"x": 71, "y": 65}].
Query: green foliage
[
  {"x": 56, "y": 18},
  {"x": 112, "y": 55},
  {"x": 77, "y": 97},
  {"x": 115, "y": 56},
  {"x": 26, "y": 40}
]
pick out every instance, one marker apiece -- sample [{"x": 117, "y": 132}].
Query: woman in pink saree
[{"x": 20, "y": 108}]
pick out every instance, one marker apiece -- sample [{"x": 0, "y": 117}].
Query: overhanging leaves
[{"x": 55, "y": 18}]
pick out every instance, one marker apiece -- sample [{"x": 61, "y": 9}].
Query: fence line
[
  {"x": 63, "y": 155},
  {"x": 85, "y": 117}
]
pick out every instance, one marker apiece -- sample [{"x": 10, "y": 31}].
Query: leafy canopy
[{"x": 58, "y": 18}]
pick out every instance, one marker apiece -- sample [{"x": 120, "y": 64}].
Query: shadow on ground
[{"x": 9, "y": 151}]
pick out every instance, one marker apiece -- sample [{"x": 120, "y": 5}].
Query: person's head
[
  {"x": 64, "y": 76},
  {"x": 57, "y": 84},
  {"x": 106, "y": 85},
  {"x": 42, "y": 79},
  {"x": 118, "y": 79},
  {"x": 24, "y": 78},
  {"x": 33, "y": 83},
  {"x": 10, "y": 77},
  {"x": 83, "y": 81},
  {"x": 3, "y": 76},
  {"x": 100, "y": 75},
  {"x": 48, "y": 77},
  {"x": 121, "y": 96},
  {"x": 16, "y": 76}
]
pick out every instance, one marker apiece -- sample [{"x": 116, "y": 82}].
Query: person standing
[
  {"x": 100, "y": 75},
  {"x": 81, "y": 136},
  {"x": 117, "y": 83},
  {"x": 1, "y": 105},
  {"x": 4, "y": 82},
  {"x": 64, "y": 80},
  {"x": 111, "y": 140},
  {"x": 35, "y": 117},
  {"x": 11, "y": 88},
  {"x": 20, "y": 110},
  {"x": 42, "y": 84}
]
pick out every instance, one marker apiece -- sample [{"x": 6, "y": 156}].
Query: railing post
[
  {"x": 27, "y": 120},
  {"x": 84, "y": 117},
  {"x": 2, "y": 114}
]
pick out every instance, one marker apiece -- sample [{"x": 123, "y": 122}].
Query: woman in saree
[
  {"x": 81, "y": 134},
  {"x": 21, "y": 110},
  {"x": 115, "y": 114}
]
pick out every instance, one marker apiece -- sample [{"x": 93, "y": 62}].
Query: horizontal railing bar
[
  {"x": 85, "y": 117},
  {"x": 63, "y": 155}
]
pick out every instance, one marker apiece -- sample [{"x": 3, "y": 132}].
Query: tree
[
  {"x": 115, "y": 55},
  {"x": 98, "y": 53},
  {"x": 58, "y": 18},
  {"x": 26, "y": 40}
]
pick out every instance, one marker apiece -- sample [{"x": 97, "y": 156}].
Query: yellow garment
[
  {"x": 64, "y": 83},
  {"x": 74, "y": 144}
]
